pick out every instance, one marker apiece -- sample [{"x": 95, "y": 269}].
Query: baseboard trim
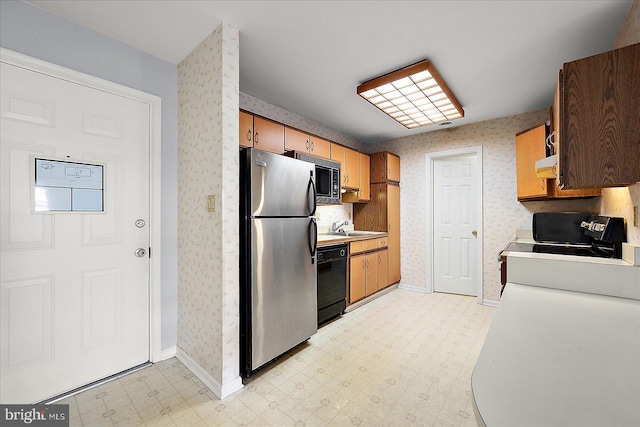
[
  {"x": 370, "y": 298},
  {"x": 490, "y": 303},
  {"x": 220, "y": 390},
  {"x": 412, "y": 288},
  {"x": 167, "y": 353}
]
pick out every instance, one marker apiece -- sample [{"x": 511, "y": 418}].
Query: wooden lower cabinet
[
  {"x": 383, "y": 269},
  {"x": 382, "y": 213},
  {"x": 368, "y": 270},
  {"x": 357, "y": 273}
]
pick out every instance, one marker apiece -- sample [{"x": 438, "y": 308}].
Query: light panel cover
[{"x": 413, "y": 96}]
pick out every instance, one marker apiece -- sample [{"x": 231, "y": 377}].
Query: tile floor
[{"x": 404, "y": 359}]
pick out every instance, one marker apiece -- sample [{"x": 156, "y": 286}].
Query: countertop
[
  {"x": 564, "y": 345},
  {"x": 330, "y": 239}
]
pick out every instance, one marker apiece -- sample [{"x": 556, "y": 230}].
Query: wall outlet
[{"x": 635, "y": 217}]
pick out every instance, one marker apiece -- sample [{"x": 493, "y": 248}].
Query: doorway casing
[{"x": 155, "y": 310}]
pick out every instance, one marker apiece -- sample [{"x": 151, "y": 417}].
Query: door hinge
[{"x": 149, "y": 252}]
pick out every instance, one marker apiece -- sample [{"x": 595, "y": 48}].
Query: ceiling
[{"x": 498, "y": 57}]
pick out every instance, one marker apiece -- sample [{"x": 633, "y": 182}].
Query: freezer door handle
[
  {"x": 312, "y": 204},
  {"x": 313, "y": 239}
]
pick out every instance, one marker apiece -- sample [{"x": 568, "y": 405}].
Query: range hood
[{"x": 547, "y": 167}]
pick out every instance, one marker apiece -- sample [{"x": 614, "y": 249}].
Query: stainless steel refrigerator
[{"x": 278, "y": 240}]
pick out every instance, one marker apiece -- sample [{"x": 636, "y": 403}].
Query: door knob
[
  {"x": 140, "y": 252},
  {"x": 475, "y": 233}
]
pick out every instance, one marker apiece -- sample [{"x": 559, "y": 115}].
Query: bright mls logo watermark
[{"x": 34, "y": 415}]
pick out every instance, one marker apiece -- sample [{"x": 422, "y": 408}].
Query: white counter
[{"x": 562, "y": 351}]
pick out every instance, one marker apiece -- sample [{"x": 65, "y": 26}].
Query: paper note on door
[{"x": 68, "y": 187}]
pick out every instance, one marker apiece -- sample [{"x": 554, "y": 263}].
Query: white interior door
[
  {"x": 455, "y": 220},
  {"x": 74, "y": 298}
]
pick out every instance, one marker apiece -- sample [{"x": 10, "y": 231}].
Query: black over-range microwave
[{"x": 327, "y": 179}]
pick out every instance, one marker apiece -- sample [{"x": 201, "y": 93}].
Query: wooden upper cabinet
[
  {"x": 363, "y": 195},
  {"x": 385, "y": 167},
  {"x": 599, "y": 119},
  {"x": 351, "y": 169},
  {"x": 393, "y": 168},
  {"x": 349, "y": 166},
  {"x": 246, "y": 130},
  {"x": 365, "y": 182},
  {"x": 337, "y": 153},
  {"x": 319, "y": 147},
  {"x": 296, "y": 140},
  {"x": 530, "y": 147},
  {"x": 268, "y": 135}
]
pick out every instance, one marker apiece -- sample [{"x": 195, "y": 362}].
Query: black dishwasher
[{"x": 332, "y": 281}]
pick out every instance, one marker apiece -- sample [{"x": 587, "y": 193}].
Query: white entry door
[
  {"x": 74, "y": 296},
  {"x": 455, "y": 225}
]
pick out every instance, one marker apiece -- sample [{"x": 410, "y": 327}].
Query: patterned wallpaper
[
  {"x": 630, "y": 30},
  {"x": 502, "y": 213},
  {"x": 208, "y": 249},
  {"x": 326, "y": 214},
  {"x": 270, "y": 111},
  {"x": 620, "y": 201}
]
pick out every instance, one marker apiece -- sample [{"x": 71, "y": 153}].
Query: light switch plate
[{"x": 211, "y": 203}]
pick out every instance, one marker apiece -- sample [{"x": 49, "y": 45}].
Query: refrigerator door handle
[
  {"x": 313, "y": 239},
  {"x": 312, "y": 185}
]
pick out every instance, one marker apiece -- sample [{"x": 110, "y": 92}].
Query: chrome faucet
[{"x": 336, "y": 226}]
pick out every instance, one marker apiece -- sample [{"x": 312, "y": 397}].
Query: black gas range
[
  {"x": 575, "y": 233},
  {"x": 571, "y": 233},
  {"x": 559, "y": 249}
]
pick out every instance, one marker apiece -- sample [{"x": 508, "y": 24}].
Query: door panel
[
  {"x": 21, "y": 231},
  {"x": 454, "y": 200},
  {"x": 27, "y": 323},
  {"x": 70, "y": 281},
  {"x": 280, "y": 186},
  {"x": 283, "y": 287},
  {"x": 393, "y": 221}
]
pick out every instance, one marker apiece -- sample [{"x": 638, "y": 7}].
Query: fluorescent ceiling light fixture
[{"x": 416, "y": 88}]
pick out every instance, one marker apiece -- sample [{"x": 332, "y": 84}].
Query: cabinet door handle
[
  {"x": 542, "y": 183},
  {"x": 256, "y": 138},
  {"x": 307, "y": 144},
  {"x": 312, "y": 146},
  {"x": 364, "y": 263},
  {"x": 249, "y": 135}
]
